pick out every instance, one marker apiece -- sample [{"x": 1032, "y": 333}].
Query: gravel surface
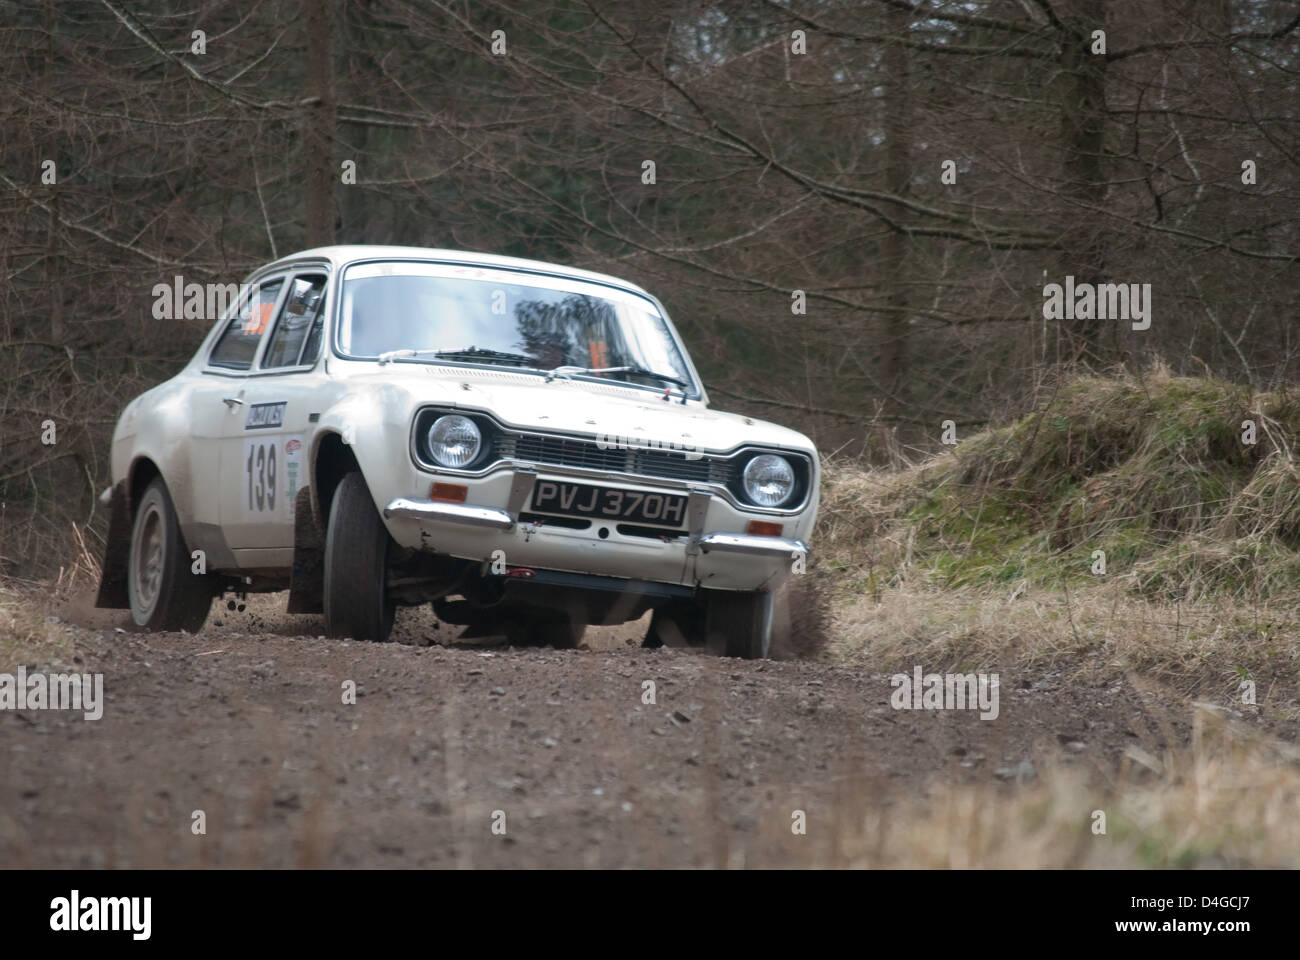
[{"x": 459, "y": 755}]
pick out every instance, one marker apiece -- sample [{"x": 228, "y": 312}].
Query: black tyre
[
  {"x": 801, "y": 622},
  {"x": 676, "y": 624},
  {"x": 560, "y": 634},
  {"x": 356, "y": 565},
  {"x": 739, "y": 624},
  {"x": 163, "y": 590}
]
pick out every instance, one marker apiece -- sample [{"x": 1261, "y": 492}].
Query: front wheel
[
  {"x": 164, "y": 591},
  {"x": 738, "y": 623},
  {"x": 356, "y": 597}
]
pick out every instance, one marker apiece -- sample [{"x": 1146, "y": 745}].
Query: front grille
[
  {"x": 586, "y": 454},
  {"x": 563, "y": 452}
]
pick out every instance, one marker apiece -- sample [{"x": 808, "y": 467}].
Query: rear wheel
[
  {"x": 356, "y": 597},
  {"x": 163, "y": 590}
]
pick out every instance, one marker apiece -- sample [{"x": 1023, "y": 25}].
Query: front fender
[{"x": 375, "y": 425}]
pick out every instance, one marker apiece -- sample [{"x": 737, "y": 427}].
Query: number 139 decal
[
  {"x": 261, "y": 474},
  {"x": 272, "y": 473}
]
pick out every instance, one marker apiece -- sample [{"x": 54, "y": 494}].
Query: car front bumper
[{"x": 702, "y": 555}]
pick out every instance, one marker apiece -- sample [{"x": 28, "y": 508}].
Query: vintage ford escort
[{"x": 526, "y": 446}]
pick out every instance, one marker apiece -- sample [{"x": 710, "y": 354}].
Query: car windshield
[{"x": 447, "y": 313}]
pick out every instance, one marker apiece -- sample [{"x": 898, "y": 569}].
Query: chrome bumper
[
  {"x": 521, "y": 490},
  {"x": 752, "y": 545},
  {"x": 485, "y": 518},
  {"x": 488, "y": 518},
  {"x": 492, "y": 518}
]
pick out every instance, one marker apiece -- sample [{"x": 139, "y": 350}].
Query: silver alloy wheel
[{"x": 147, "y": 555}]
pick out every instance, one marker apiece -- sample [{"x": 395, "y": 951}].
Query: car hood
[{"x": 576, "y": 407}]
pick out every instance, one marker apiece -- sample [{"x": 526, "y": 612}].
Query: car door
[
  {"x": 264, "y": 452},
  {"x": 216, "y": 404},
  {"x": 232, "y": 362}
]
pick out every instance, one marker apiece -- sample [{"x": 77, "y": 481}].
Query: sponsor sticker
[
  {"x": 292, "y": 470},
  {"x": 262, "y": 416}
]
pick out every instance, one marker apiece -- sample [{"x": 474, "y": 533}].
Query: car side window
[
  {"x": 311, "y": 349},
  {"x": 238, "y": 344},
  {"x": 298, "y": 319}
]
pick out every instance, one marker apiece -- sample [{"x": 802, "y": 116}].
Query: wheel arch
[
  {"x": 332, "y": 460},
  {"x": 140, "y": 474},
  {"x": 126, "y": 493}
]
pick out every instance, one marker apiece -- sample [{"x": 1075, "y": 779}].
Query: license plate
[{"x": 606, "y": 503}]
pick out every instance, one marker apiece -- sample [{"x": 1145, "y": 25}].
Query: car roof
[{"x": 342, "y": 254}]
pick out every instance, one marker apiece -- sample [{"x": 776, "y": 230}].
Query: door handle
[{"x": 232, "y": 402}]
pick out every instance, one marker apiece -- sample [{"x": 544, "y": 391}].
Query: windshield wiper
[
  {"x": 662, "y": 377},
  {"x": 487, "y": 354},
  {"x": 567, "y": 373},
  {"x": 472, "y": 352}
]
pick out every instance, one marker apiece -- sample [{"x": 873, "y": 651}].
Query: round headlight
[
  {"x": 769, "y": 480},
  {"x": 454, "y": 441}
]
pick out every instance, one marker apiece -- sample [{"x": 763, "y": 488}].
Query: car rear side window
[
  {"x": 298, "y": 318},
  {"x": 311, "y": 349},
  {"x": 238, "y": 344}
]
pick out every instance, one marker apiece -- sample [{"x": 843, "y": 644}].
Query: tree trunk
[
  {"x": 1082, "y": 100},
  {"x": 53, "y": 271},
  {"x": 898, "y": 175},
  {"x": 320, "y": 119}
]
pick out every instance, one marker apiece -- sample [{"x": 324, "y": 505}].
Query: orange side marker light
[{"x": 450, "y": 492}]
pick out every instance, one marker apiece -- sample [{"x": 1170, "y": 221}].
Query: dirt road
[{"x": 447, "y": 746}]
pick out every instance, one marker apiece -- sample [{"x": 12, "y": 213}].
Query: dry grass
[
  {"x": 1152, "y": 471},
  {"x": 84, "y": 570},
  {"x": 987, "y": 554},
  {"x": 1227, "y": 800},
  {"x": 1204, "y": 650},
  {"x": 25, "y": 635},
  {"x": 982, "y": 557}
]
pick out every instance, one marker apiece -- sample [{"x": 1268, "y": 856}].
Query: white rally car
[{"x": 525, "y": 446}]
